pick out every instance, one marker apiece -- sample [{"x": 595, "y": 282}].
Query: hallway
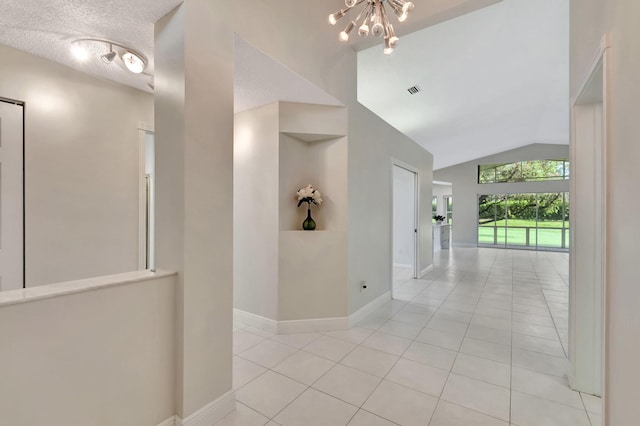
[{"x": 481, "y": 340}]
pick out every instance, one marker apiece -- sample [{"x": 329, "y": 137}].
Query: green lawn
[{"x": 546, "y": 235}]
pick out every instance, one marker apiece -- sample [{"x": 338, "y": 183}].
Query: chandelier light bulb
[
  {"x": 374, "y": 19},
  {"x": 334, "y": 17}
]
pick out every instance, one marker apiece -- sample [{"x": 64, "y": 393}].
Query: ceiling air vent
[{"x": 414, "y": 89}]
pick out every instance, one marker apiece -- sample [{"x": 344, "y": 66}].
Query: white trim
[
  {"x": 402, "y": 265},
  {"x": 255, "y": 321},
  {"x": 171, "y": 421},
  {"x": 369, "y": 308},
  {"x": 605, "y": 44},
  {"x": 211, "y": 413},
  {"x": 142, "y": 199},
  {"x": 146, "y": 127},
  {"x": 312, "y": 324},
  {"x": 426, "y": 270}
]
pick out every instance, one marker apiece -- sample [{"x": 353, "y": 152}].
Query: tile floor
[{"x": 481, "y": 340}]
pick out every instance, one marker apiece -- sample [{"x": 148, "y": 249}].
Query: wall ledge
[{"x": 31, "y": 294}]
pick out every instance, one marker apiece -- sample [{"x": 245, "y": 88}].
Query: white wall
[
  {"x": 256, "y": 201},
  {"x": 102, "y": 356},
  {"x": 81, "y": 167},
  {"x": 590, "y": 19},
  {"x": 466, "y": 188},
  {"x": 404, "y": 212},
  {"x": 196, "y": 210}
]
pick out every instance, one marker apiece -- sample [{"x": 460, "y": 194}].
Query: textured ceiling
[
  {"x": 491, "y": 80},
  {"x": 46, "y": 27}
]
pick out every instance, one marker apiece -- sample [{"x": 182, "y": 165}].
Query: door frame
[
  {"x": 23, "y": 104},
  {"x": 416, "y": 217},
  {"x": 143, "y": 130},
  {"x": 601, "y": 62}
]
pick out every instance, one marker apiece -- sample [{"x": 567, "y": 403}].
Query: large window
[
  {"x": 539, "y": 221},
  {"x": 524, "y": 171}
]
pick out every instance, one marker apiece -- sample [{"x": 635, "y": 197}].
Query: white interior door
[
  {"x": 11, "y": 197},
  {"x": 404, "y": 222}
]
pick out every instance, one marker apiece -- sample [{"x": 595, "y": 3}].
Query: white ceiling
[
  {"x": 46, "y": 28},
  {"x": 491, "y": 80}
]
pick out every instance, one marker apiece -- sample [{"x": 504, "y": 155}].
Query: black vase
[{"x": 309, "y": 224}]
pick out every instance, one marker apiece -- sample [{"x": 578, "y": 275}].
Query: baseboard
[
  {"x": 211, "y": 413},
  {"x": 255, "y": 321},
  {"x": 312, "y": 324},
  {"x": 369, "y": 308},
  {"x": 402, "y": 265},
  {"x": 426, "y": 270}
]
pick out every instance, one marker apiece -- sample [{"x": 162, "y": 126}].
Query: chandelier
[{"x": 373, "y": 19}]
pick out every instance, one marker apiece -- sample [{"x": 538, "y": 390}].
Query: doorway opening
[
  {"x": 12, "y": 229},
  {"x": 405, "y": 224},
  {"x": 146, "y": 199}
]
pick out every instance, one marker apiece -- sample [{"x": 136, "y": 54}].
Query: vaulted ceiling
[
  {"x": 491, "y": 80},
  {"x": 493, "y": 73}
]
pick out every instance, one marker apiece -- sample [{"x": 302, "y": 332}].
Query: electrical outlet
[{"x": 363, "y": 285}]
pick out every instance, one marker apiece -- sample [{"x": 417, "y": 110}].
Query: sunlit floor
[{"x": 481, "y": 340}]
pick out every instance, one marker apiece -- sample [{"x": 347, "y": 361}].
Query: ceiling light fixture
[
  {"x": 107, "y": 58},
  {"x": 373, "y": 19},
  {"x": 134, "y": 61}
]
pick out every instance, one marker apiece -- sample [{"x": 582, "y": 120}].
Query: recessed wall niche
[{"x": 282, "y": 272}]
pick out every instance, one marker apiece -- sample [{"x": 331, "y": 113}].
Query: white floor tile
[
  {"x": 411, "y": 318},
  {"x": 267, "y": 353},
  {"x": 527, "y": 410},
  {"x": 431, "y": 355},
  {"x": 365, "y": 418},
  {"x": 304, "y": 367},
  {"x": 479, "y": 396},
  {"x": 348, "y": 384},
  {"x": 544, "y": 363},
  {"x": 439, "y": 338},
  {"x": 400, "y": 329},
  {"x": 545, "y": 386},
  {"x": 453, "y": 327},
  {"x": 400, "y": 404},
  {"x": 370, "y": 361},
  {"x": 484, "y": 349},
  {"x": 298, "y": 340},
  {"x": 535, "y": 330},
  {"x": 244, "y": 371},
  {"x": 330, "y": 348},
  {"x": 243, "y": 340},
  {"x": 501, "y": 337},
  {"x": 243, "y": 416},
  {"x": 354, "y": 335},
  {"x": 448, "y": 414},
  {"x": 418, "y": 376},
  {"x": 315, "y": 408},
  {"x": 387, "y": 343},
  {"x": 483, "y": 369},
  {"x": 593, "y": 404},
  {"x": 269, "y": 393},
  {"x": 538, "y": 344}
]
